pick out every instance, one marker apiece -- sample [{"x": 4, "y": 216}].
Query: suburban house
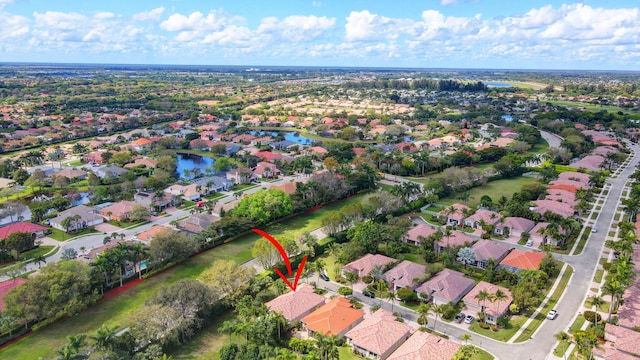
[
  {"x": 454, "y": 239},
  {"x": 150, "y": 200},
  {"x": 403, "y": 275},
  {"x": 86, "y": 217},
  {"x": 142, "y": 162},
  {"x": 414, "y": 236},
  {"x": 240, "y": 175},
  {"x": 621, "y": 344},
  {"x": 493, "y": 310},
  {"x": 365, "y": 264},
  {"x": 140, "y": 144},
  {"x": 289, "y": 187},
  {"x": 213, "y": 183},
  {"x": 424, "y": 346},
  {"x": 629, "y": 311},
  {"x": 513, "y": 226},
  {"x": 297, "y": 304},
  {"x": 119, "y": 211},
  {"x": 333, "y": 318},
  {"x": 35, "y": 230},
  {"x": 196, "y": 223},
  {"x": 522, "y": 260},
  {"x": 560, "y": 195},
  {"x": 454, "y": 215},
  {"x": 266, "y": 170},
  {"x": 378, "y": 335},
  {"x": 445, "y": 287},
  {"x": 484, "y": 250},
  {"x": 556, "y": 207},
  {"x": 187, "y": 192},
  {"x": 70, "y": 174},
  {"x": 489, "y": 217},
  {"x": 148, "y": 235},
  {"x": 109, "y": 171}
]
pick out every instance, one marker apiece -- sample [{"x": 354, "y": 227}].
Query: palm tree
[
  {"x": 466, "y": 338},
  {"x": 595, "y": 302},
  {"x": 562, "y": 337},
  {"x": 390, "y": 296},
  {"x": 615, "y": 289},
  {"x": 423, "y": 314},
  {"x": 327, "y": 346},
  {"x": 137, "y": 253},
  {"x": 352, "y": 278},
  {"x": 320, "y": 266},
  {"x": 482, "y": 297},
  {"x": 438, "y": 311},
  {"x": 499, "y": 296},
  {"x": 104, "y": 265},
  {"x": 40, "y": 259},
  {"x": 106, "y": 338}
]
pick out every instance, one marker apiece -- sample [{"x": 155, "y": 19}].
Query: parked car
[
  {"x": 530, "y": 242},
  {"x": 459, "y": 318},
  {"x": 369, "y": 294},
  {"x": 468, "y": 319},
  {"x": 324, "y": 277},
  {"x": 594, "y": 229},
  {"x": 552, "y": 314}
]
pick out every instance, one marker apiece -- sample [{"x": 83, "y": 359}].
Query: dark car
[
  {"x": 459, "y": 318},
  {"x": 324, "y": 277},
  {"x": 369, "y": 294}
]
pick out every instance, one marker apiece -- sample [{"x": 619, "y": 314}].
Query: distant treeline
[{"x": 419, "y": 84}]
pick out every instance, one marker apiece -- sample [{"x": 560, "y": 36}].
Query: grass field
[
  {"x": 62, "y": 236},
  {"x": 118, "y": 310},
  {"x": 495, "y": 189},
  {"x": 590, "y": 107}
]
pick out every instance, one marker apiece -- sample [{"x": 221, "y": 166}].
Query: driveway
[{"x": 107, "y": 228}]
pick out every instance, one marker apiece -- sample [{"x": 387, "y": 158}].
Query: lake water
[
  {"x": 498, "y": 85},
  {"x": 507, "y": 117},
  {"x": 291, "y": 136},
  {"x": 190, "y": 162}
]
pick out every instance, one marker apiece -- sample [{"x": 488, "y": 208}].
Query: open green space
[
  {"x": 504, "y": 334},
  {"x": 494, "y": 189},
  {"x": 34, "y": 253},
  {"x": 551, "y": 304},
  {"x": 591, "y": 107},
  {"x": 118, "y": 310}
]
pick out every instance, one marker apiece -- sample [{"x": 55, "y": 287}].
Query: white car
[{"x": 552, "y": 314}]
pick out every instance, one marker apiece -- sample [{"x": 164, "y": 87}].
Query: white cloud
[
  {"x": 448, "y": 2},
  {"x": 104, "y": 15},
  {"x": 365, "y": 26},
  {"x": 296, "y": 28},
  {"x": 196, "y": 21},
  {"x": 12, "y": 26},
  {"x": 4, "y": 3},
  {"x": 151, "y": 15}
]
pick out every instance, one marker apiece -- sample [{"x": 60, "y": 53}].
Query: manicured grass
[
  {"x": 62, "y": 236},
  {"x": 208, "y": 341},
  {"x": 494, "y": 189},
  {"x": 346, "y": 354},
  {"x": 589, "y": 107},
  {"x": 515, "y": 323},
  {"x": 562, "y": 348},
  {"x": 540, "y": 147},
  {"x": 76, "y": 163},
  {"x": 118, "y": 310},
  {"x": 243, "y": 187},
  {"x": 604, "y": 307},
  {"x": 597, "y": 278},
  {"x": 583, "y": 241},
  {"x": 577, "y": 325},
  {"x": 34, "y": 253},
  {"x": 553, "y": 300}
]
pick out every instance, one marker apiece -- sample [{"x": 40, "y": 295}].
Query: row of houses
[{"x": 378, "y": 335}]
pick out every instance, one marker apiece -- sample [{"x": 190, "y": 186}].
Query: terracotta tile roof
[
  {"x": 425, "y": 346},
  {"x": 379, "y": 332},
  {"x": 5, "y": 286},
  {"x": 289, "y": 187},
  {"x": 529, "y": 260},
  {"x": 562, "y": 209},
  {"x": 333, "y": 317},
  {"x": 625, "y": 340},
  {"x": 296, "y": 304},
  {"x": 402, "y": 275},
  {"x": 589, "y": 162},
  {"x": 457, "y": 238},
  {"x": 487, "y": 249},
  {"x": 20, "y": 227},
  {"x": 490, "y": 217},
  {"x": 517, "y": 223},
  {"x": 493, "y": 309},
  {"x": 151, "y": 233},
  {"x": 447, "y": 285},
  {"x": 458, "y": 214},
  {"x": 364, "y": 265},
  {"x": 422, "y": 230}
]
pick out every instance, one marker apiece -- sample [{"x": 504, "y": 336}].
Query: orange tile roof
[
  {"x": 424, "y": 346},
  {"x": 529, "y": 260},
  {"x": 333, "y": 317},
  {"x": 149, "y": 234}
]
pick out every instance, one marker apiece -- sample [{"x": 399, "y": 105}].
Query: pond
[
  {"x": 82, "y": 198},
  {"x": 289, "y": 135},
  {"x": 498, "y": 85},
  {"x": 190, "y": 162}
]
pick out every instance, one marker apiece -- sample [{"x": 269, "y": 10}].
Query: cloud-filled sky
[{"x": 533, "y": 34}]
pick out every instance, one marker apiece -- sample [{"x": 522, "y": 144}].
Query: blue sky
[{"x": 588, "y": 34}]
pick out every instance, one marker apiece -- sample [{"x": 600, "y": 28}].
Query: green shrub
[
  {"x": 592, "y": 316},
  {"x": 407, "y": 295},
  {"x": 301, "y": 346},
  {"x": 345, "y": 291},
  {"x": 607, "y": 266},
  {"x": 367, "y": 279}
]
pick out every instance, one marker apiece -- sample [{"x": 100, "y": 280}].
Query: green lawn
[
  {"x": 495, "y": 189},
  {"x": 76, "y": 163},
  {"x": 590, "y": 107},
  {"x": 34, "y": 253},
  {"x": 515, "y": 323},
  {"x": 62, "y": 236},
  {"x": 118, "y": 310},
  {"x": 598, "y": 276}
]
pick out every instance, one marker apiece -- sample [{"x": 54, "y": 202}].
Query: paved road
[{"x": 553, "y": 139}]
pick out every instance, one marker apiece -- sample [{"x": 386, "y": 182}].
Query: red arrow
[{"x": 287, "y": 262}]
